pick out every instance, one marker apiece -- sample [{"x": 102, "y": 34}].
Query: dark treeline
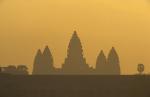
[
  {"x": 15, "y": 70},
  {"x": 75, "y": 62}
]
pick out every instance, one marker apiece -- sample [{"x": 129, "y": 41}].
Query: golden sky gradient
[{"x": 27, "y": 25}]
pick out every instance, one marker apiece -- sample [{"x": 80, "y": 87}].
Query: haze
[{"x": 27, "y": 25}]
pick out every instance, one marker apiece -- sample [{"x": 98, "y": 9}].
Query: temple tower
[{"x": 75, "y": 62}]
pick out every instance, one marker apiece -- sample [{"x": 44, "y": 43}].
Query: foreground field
[{"x": 74, "y": 86}]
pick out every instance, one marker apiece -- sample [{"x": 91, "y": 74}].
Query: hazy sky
[{"x": 27, "y": 25}]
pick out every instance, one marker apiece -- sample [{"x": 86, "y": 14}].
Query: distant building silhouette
[
  {"x": 48, "y": 63},
  {"x": 101, "y": 64},
  {"x": 75, "y": 63},
  {"x": 113, "y": 62},
  {"x": 37, "y": 66},
  {"x": 43, "y": 63}
]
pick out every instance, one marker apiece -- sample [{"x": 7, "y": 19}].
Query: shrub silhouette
[
  {"x": 19, "y": 70},
  {"x": 22, "y": 69},
  {"x": 140, "y": 68}
]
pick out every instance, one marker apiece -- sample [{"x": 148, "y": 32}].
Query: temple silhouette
[
  {"x": 43, "y": 63},
  {"x": 75, "y": 62}
]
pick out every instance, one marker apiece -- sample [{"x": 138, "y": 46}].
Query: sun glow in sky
[{"x": 27, "y": 25}]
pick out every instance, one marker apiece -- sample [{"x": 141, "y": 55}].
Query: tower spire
[
  {"x": 75, "y": 61},
  {"x": 113, "y": 62},
  {"x": 101, "y": 64},
  {"x": 43, "y": 63},
  {"x": 37, "y": 63}
]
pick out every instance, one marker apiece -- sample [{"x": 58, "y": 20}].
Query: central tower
[{"x": 75, "y": 63}]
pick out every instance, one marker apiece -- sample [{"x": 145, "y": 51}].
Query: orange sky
[{"x": 27, "y": 25}]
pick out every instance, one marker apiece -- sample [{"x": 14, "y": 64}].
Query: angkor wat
[
  {"x": 75, "y": 79},
  {"x": 75, "y": 62}
]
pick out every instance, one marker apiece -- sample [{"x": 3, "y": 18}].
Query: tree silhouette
[
  {"x": 140, "y": 68},
  {"x": 113, "y": 62},
  {"x": 19, "y": 70},
  {"x": 10, "y": 69},
  {"x": 22, "y": 69},
  {"x": 101, "y": 64},
  {"x": 75, "y": 62}
]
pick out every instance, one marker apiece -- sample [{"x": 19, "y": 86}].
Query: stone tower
[
  {"x": 37, "y": 63},
  {"x": 113, "y": 62},
  {"x": 43, "y": 63},
  {"x": 48, "y": 63},
  {"x": 75, "y": 63},
  {"x": 101, "y": 64}
]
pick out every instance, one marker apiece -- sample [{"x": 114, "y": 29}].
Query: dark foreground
[{"x": 74, "y": 86}]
